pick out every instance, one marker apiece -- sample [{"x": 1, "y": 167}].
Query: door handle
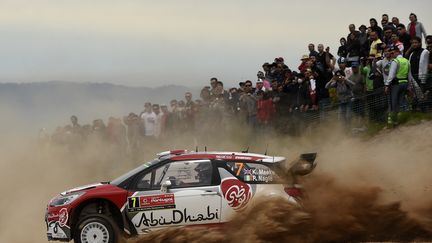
[{"x": 209, "y": 193}]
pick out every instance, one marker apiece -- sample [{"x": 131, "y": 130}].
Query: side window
[
  {"x": 145, "y": 182},
  {"x": 253, "y": 172},
  {"x": 185, "y": 174},
  {"x": 181, "y": 174}
]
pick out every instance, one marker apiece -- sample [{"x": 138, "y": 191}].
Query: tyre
[{"x": 96, "y": 228}]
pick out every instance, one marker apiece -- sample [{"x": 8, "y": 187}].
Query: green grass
[{"x": 405, "y": 119}]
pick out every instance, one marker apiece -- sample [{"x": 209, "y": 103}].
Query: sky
[{"x": 183, "y": 42}]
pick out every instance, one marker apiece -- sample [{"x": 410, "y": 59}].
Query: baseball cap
[{"x": 304, "y": 57}]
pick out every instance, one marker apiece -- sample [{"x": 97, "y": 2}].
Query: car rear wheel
[{"x": 96, "y": 228}]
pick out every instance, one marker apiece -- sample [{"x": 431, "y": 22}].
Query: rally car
[{"x": 179, "y": 188}]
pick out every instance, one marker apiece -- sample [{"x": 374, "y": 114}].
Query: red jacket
[{"x": 265, "y": 110}]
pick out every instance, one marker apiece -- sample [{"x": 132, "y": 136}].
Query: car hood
[{"x": 82, "y": 188}]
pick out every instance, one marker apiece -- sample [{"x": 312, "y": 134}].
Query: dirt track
[{"x": 352, "y": 170}]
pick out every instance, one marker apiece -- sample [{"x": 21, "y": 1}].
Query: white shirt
[
  {"x": 423, "y": 65},
  {"x": 149, "y": 119},
  {"x": 381, "y": 65}
]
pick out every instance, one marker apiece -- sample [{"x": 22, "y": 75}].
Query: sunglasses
[{"x": 248, "y": 85}]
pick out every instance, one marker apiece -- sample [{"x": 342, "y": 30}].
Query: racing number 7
[
  {"x": 240, "y": 167},
  {"x": 133, "y": 202}
]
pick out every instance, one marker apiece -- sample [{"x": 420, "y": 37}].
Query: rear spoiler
[{"x": 304, "y": 165}]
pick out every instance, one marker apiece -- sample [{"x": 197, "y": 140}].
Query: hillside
[{"x": 48, "y": 104}]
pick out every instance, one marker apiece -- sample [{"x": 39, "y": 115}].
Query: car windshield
[{"x": 125, "y": 176}]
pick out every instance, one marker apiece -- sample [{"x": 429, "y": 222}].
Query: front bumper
[
  {"x": 57, "y": 228},
  {"x": 57, "y": 232}
]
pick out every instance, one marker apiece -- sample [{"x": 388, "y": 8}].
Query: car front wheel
[{"x": 96, "y": 229}]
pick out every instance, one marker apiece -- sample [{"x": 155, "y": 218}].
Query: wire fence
[{"x": 372, "y": 106}]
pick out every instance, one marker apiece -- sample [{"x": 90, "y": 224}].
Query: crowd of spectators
[{"x": 352, "y": 81}]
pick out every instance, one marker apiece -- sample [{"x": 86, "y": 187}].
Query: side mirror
[{"x": 165, "y": 186}]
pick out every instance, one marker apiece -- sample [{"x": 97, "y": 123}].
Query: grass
[{"x": 405, "y": 119}]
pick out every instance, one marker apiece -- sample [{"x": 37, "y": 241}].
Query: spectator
[
  {"x": 312, "y": 51},
  {"x": 395, "y": 22},
  {"x": 303, "y": 65},
  {"x": 396, "y": 84},
  {"x": 375, "y": 47},
  {"x": 383, "y": 65},
  {"x": 248, "y": 104},
  {"x": 344, "y": 94},
  {"x": 265, "y": 108},
  {"x": 300, "y": 90},
  {"x": 363, "y": 39},
  {"x": 149, "y": 119},
  {"x": 99, "y": 130},
  {"x": 157, "y": 121},
  {"x": 232, "y": 102},
  {"x": 375, "y": 100},
  {"x": 396, "y": 42},
  {"x": 353, "y": 45},
  {"x": 164, "y": 121},
  {"x": 342, "y": 50},
  {"x": 181, "y": 115},
  {"x": 282, "y": 101},
  {"x": 325, "y": 60},
  {"x": 388, "y": 31},
  {"x": 358, "y": 89},
  {"x": 312, "y": 90},
  {"x": 213, "y": 85},
  {"x": 416, "y": 28},
  {"x": 134, "y": 131},
  {"x": 116, "y": 133},
  {"x": 173, "y": 118},
  {"x": 191, "y": 109},
  {"x": 375, "y": 28},
  {"x": 429, "y": 48},
  {"x": 419, "y": 61},
  {"x": 266, "y": 68},
  {"x": 74, "y": 121},
  {"x": 205, "y": 96},
  {"x": 259, "y": 86},
  {"x": 241, "y": 87},
  {"x": 342, "y": 64},
  {"x": 384, "y": 20},
  {"x": 261, "y": 77},
  {"x": 76, "y": 128},
  {"x": 324, "y": 66},
  {"x": 404, "y": 37}
]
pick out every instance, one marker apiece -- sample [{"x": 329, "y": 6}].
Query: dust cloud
[{"x": 363, "y": 189}]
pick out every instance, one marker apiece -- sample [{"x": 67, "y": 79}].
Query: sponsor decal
[
  {"x": 63, "y": 217},
  {"x": 234, "y": 157},
  {"x": 152, "y": 202},
  {"x": 178, "y": 217},
  {"x": 237, "y": 193}
]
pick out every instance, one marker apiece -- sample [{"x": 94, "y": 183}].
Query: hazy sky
[{"x": 153, "y": 43}]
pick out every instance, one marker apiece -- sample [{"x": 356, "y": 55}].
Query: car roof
[{"x": 217, "y": 155}]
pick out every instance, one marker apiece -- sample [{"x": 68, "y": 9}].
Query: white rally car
[{"x": 179, "y": 188}]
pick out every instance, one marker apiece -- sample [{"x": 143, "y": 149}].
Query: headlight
[{"x": 65, "y": 200}]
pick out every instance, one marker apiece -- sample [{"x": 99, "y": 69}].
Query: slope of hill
[{"x": 48, "y": 104}]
